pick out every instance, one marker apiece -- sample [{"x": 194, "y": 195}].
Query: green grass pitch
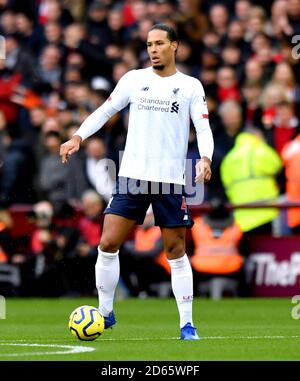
[{"x": 231, "y": 329}]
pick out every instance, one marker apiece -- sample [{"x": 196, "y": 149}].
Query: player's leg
[
  {"x": 172, "y": 215},
  {"x": 181, "y": 272},
  {"x": 115, "y": 231}
]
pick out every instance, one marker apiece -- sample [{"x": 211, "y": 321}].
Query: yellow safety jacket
[{"x": 248, "y": 175}]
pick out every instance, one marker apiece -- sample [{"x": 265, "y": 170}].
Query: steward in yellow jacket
[{"x": 248, "y": 175}]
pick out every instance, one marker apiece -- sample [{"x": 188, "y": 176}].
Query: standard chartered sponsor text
[{"x": 154, "y": 105}]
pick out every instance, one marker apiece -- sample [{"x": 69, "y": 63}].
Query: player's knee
[
  {"x": 175, "y": 249},
  {"x": 108, "y": 245}
]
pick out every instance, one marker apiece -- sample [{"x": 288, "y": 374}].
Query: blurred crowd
[{"x": 63, "y": 58}]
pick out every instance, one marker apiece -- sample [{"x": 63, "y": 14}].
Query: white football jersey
[{"x": 159, "y": 123}]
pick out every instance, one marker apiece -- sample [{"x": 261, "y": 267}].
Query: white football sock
[
  {"x": 182, "y": 286},
  {"x": 107, "y": 276}
]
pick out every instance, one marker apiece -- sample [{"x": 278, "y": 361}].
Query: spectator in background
[
  {"x": 219, "y": 19},
  {"x": 267, "y": 60},
  {"x": 287, "y": 51},
  {"x": 257, "y": 22},
  {"x": 293, "y": 16},
  {"x": 236, "y": 36},
  {"x": 7, "y": 22},
  {"x": 236, "y": 33},
  {"x": 76, "y": 62},
  {"x": 212, "y": 40},
  {"x": 60, "y": 185},
  {"x": 55, "y": 12},
  {"x": 78, "y": 181},
  {"x": 284, "y": 75},
  {"x": 53, "y": 34},
  {"x": 251, "y": 91},
  {"x": 83, "y": 101},
  {"x": 285, "y": 126},
  {"x": 232, "y": 124},
  {"x": 50, "y": 247},
  {"x": 227, "y": 84},
  {"x": 90, "y": 225},
  {"x": 184, "y": 57},
  {"x": 97, "y": 28},
  {"x": 209, "y": 60},
  {"x": 21, "y": 61},
  {"x": 208, "y": 78},
  {"x": 30, "y": 37},
  {"x": 191, "y": 22},
  {"x": 278, "y": 17},
  {"x": 232, "y": 57},
  {"x": 291, "y": 158},
  {"x": 130, "y": 57},
  {"x": 50, "y": 67},
  {"x": 9, "y": 82},
  {"x": 272, "y": 95},
  {"x": 82, "y": 259},
  {"x": 286, "y": 18},
  {"x": 95, "y": 58},
  {"x": 242, "y": 11},
  {"x": 138, "y": 11},
  {"x": 260, "y": 41},
  {"x": 254, "y": 71},
  {"x": 248, "y": 173},
  {"x": 26, "y": 255},
  {"x": 46, "y": 125},
  {"x": 115, "y": 23},
  {"x": 53, "y": 177},
  {"x": 37, "y": 117},
  {"x": 164, "y": 9},
  {"x": 43, "y": 213},
  {"x": 18, "y": 160}
]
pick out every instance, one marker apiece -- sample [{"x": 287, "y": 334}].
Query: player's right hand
[{"x": 69, "y": 147}]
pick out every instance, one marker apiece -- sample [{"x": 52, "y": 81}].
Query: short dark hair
[{"x": 171, "y": 33}]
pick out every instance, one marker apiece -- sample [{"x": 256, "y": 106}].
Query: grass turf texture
[{"x": 232, "y": 329}]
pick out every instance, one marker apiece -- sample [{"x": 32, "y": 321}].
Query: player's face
[{"x": 160, "y": 49}]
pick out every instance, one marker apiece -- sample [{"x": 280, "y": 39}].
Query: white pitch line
[
  {"x": 69, "y": 349},
  {"x": 251, "y": 337},
  {"x": 205, "y": 338},
  {"x": 276, "y": 337}
]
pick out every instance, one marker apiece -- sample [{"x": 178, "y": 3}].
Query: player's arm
[
  {"x": 205, "y": 146},
  {"x": 89, "y": 126},
  {"x": 118, "y": 99},
  {"x": 205, "y": 141}
]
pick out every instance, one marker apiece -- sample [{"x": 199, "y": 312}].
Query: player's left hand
[{"x": 203, "y": 170}]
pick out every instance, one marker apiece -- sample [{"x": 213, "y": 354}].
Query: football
[{"x": 86, "y": 323}]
